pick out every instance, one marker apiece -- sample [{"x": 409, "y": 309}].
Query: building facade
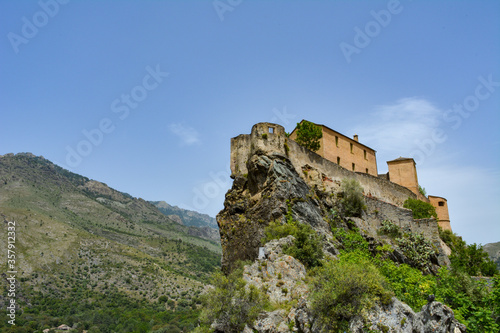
[
  {"x": 357, "y": 157},
  {"x": 346, "y": 152}
]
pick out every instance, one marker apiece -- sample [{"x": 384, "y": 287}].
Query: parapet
[{"x": 265, "y": 138}]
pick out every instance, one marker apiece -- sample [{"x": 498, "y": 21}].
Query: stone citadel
[{"x": 339, "y": 156}]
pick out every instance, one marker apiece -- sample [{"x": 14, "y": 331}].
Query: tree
[
  {"x": 420, "y": 209},
  {"x": 308, "y": 135},
  {"x": 353, "y": 202}
]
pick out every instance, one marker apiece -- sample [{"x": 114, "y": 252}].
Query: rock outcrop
[
  {"x": 270, "y": 183},
  {"x": 282, "y": 278},
  {"x": 278, "y": 183}
]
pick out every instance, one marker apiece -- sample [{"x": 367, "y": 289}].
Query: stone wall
[
  {"x": 262, "y": 141},
  {"x": 373, "y": 186}
]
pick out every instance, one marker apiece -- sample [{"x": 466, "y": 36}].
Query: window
[
  {"x": 336, "y": 141},
  {"x": 353, "y": 167},
  {"x": 271, "y": 130},
  {"x": 338, "y": 160},
  {"x": 351, "y": 148},
  {"x": 366, "y": 170},
  {"x": 441, "y": 203},
  {"x": 364, "y": 153}
]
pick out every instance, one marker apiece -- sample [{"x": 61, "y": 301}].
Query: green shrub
[
  {"x": 475, "y": 303},
  {"x": 351, "y": 240},
  {"x": 417, "y": 249},
  {"x": 422, "y": 190},
  {"x": 389, "y": 228},
  {"x": 264, "y": 136},
  {"x": 231, "y": 303},
  {"x": 308, "y": 135},
  {"x": 341, "y": 289},
  {"x": 471, "y": 259},
  {"x": 409, "y": 284},
  {"x": 420, "y": 209},
  {"x": 307, "y": 246},
  {"x": 352, "y": 202}
]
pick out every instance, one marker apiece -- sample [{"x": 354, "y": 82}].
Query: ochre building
[
  {"x": 346, "y": 152},
  {"x": 357, "y": 157}
]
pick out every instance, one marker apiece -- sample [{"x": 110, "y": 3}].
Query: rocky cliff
[
  {"x": 283, "y": 178},
  {"x": 277, "y": 180}
]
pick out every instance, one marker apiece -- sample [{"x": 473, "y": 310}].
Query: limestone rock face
[
  {"x": 281, "y": 275},
  {"x": 259, "y": 198},
  {"x": 399, "y": 317},
  {"x": 271, "y": 184}
]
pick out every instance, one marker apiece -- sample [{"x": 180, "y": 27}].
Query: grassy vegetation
[
  {"x": 231, "y": 303},
  {"x": 98, "y": 246},
  {"x": 420, "y": 209},
  {"x": 307, "y": 246},
  {"x": 99, "y": 312}
]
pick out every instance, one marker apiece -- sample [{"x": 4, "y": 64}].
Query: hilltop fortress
[
  {"x": 338, "y": 157},
  {"x": 275, "y": 178}
]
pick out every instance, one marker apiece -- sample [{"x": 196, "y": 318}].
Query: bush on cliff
[
  {"x": 343, "y": 288},
  {"x": 231, "y": 303},
  {"x": 471, "y": 259},
  {"x": 352, "y": 202},
  {"x": 307, "y": 245},
  {"x": 420, "y": 209}
]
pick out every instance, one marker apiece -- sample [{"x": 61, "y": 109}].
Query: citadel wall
[
  {"x": 384, "y": 199},
  {"x": 270, "y": 138}
]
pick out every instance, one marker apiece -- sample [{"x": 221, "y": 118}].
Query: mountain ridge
[{"x": 78, "y": 239}]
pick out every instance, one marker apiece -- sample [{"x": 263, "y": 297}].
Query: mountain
[
  {"x": 200, "y": 225},
  {"x": 493, "y": 250},
  {"x": 186, "y": 217},
  {"x": 102, "y": 253}
]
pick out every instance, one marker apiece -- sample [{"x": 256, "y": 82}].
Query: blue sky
[{"x": 145, "y": 95}]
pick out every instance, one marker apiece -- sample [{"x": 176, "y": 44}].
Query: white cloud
[
  {"x": 188, "y": 135},
  {"x": 472, "y": 190},
  {"x": 396, "y": 129}
]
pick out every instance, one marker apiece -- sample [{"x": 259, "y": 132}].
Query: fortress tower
[
  {"x": 403, "y": 171},
  {"x": 441, "y": 205}
]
